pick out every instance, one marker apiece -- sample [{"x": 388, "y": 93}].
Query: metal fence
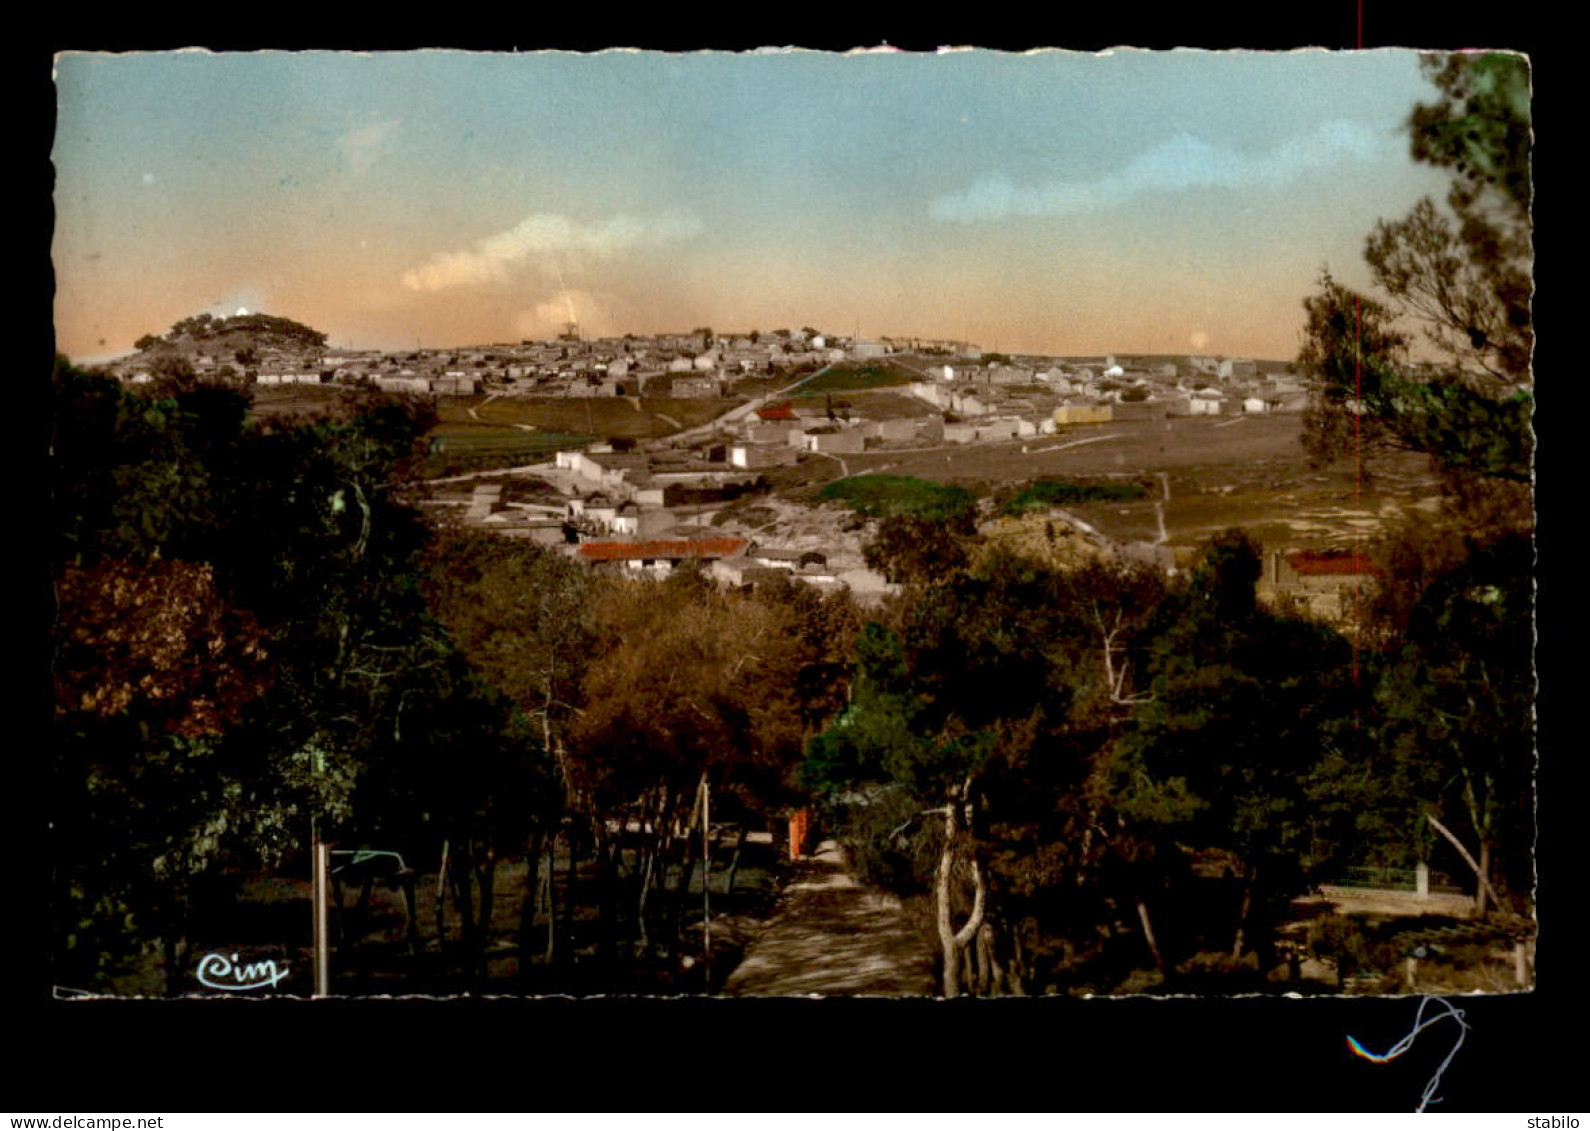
[
  {"x": 1380, "y": 879},
  {"x": 1395, "y": 879}
]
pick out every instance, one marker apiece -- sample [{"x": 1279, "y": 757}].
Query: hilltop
[
  {"x": 242, "y": 341},
  {"x": 260, "y": 330}
]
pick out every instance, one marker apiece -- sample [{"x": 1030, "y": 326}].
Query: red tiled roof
[
  {"x": 783, "y": 411},
  {"x": 663, "y": 548},
  {"x": 1321, "y": 562}
]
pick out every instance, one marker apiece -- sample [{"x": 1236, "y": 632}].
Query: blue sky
[{"x": 1052, "y": 201}]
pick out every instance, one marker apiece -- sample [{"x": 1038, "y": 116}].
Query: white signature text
[{"x": 221, "y": 972}]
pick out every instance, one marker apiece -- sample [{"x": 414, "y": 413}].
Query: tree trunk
[
  {"x": 463, "y": 903},
  {"x": 1249, "y": 876},
  {"x": 690, "y": 852},
  {"x": 488, "y": 892},
  {"x": 532, "y": 895},
  {"x": 1481, "y": 870},
  {"x": 547, "y": 896},
  {"x": 948, "y": 954},
  {"x": 171, "y": 945},
  {"x": 605, "y": 851},
  {"x": 990, "y": 972},
  {"x": 953, "y": 942},
  {"x": 734, "y": 861},
  {"x": 1148, "y": 935},
  {"x": 680, "y": 897},
  {"x": 654, "y": 870},
  {"x": 441, "y": 901},
  {"x": 706, "y": 878},
  {"x": 571, "y": 877}
]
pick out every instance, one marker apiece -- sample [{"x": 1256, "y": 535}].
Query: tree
[
  {"x": 522, "y": 619},
  {"x": 911, "y": 549},
  {"x": 691, "y": 689},
  {"x": 1453, "y": 681},
  {"x": 191, "y": 549},
  {"x": 1480, "y": 130},
  {"x": 1465, "y": 278},
  {"x": 1240, "y": 704},
  {"x": 1457, "y": 709},
  {"x": 882, "y": 749},
  {"x": 961, "y": 768},
  {"x": 1353, "y": 356},
  {"x": 1463, "y": 297}
]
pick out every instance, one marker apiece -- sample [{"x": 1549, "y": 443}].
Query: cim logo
[{"x": 222, "y": 972}]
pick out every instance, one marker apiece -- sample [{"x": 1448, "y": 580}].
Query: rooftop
[
  {"x": 663, "y": 548},
  {"x": 1317, "y": 563}
]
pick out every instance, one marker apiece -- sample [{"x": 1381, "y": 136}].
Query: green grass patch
[
  {"x": 846, "y": 377},
  {"x": 882, "y": 495},
  {"x": 1044, "y": 493},
  {"x": 456, "y": 450},
  {"x": 607, "y": 417}
]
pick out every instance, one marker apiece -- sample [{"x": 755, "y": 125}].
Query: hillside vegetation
[
  {"x": 850, "y": 376},
  {"x": 261, "y": 331},
  {"x": 1044, "y": 493},
  {"x": 881, "y": 496}
]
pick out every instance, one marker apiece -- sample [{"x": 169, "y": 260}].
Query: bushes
[
  {"x": 1044, "y": 493},
  {"x": 883, "y": 495}
]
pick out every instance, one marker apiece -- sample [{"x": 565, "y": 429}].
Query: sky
[{"x": 1046, "y": 202}]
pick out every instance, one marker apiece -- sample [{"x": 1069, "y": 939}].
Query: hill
[{"x": 243, "y": 341}]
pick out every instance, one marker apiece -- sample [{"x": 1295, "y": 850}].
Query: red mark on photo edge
[{"x": 1358, "y": 452}]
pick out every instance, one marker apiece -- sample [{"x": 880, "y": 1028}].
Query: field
[
  {"x": 630, "y": 418},
  {"x": 480, "y": 433},
  {"x": 1242, "y": 471},
  {"x": 871, "y": 404},
  {"x": 880, "y": 495},
  {"x": 295, "y": 400},
  {"x": 849, "y": 376},
  {"x": 460, "y": 448}
]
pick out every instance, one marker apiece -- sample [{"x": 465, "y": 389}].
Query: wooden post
[
  {"x": 320, "y": 857},
  {"x": 1410, "y": 970},
  {"x": 706, "y": 876}
]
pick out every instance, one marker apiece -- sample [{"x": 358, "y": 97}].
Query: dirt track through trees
[{"x": 831, "y": 936}]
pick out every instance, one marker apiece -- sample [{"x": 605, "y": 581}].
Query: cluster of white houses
[
  {"x": 1030, "y": 393},
  {"x": 1008, "y": 401},
  {"x": 629, "y": 513},
  {"x": 666, "y": 365}
]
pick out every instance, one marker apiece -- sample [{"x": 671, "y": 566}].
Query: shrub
[
  {"x": 1045, "y": 493},
  {"x": 883, "y": 495}
]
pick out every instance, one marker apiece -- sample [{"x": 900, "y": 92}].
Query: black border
[{"x": 1125, "y": 1055}]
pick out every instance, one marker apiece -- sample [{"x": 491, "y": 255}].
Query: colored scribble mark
[{"x": 1402, "y": 1046}]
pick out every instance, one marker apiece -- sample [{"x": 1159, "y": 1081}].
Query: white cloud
[
  {"x": 547, "y": 233},
  {"x": 547, "y": 318},
  {"x": 363, "y": 147},
  {"x": 1178, "y": 164}
]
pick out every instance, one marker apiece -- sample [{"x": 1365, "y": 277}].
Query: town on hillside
[
  {"x": 770, "y": 402},
  {"x": 627, "y": 513}
]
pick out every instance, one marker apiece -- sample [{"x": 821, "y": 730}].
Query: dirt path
[{"x": 830, "y": 936}]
